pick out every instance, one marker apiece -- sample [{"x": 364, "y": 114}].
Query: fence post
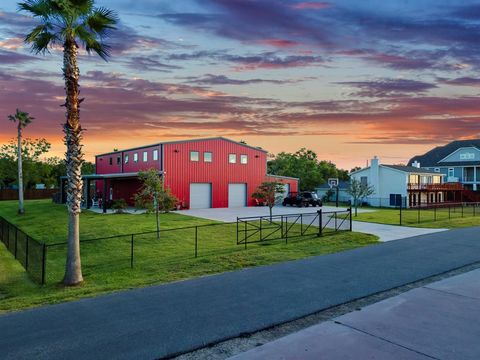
[
  {"x": 320, "y": 230},
  {"x": 350, "y": 215},
  {"x": 286, "y": 229},
  {"x": 434, "y": 213},
  {"x": 237, "y": 230},
  {"x": 301, "y": 224},
  {"x": 26, "y": 252},
  {"x": 196, "y": 241},
  {"x": 245, "y": 235},
  {"x": 449, "y": 212},
  {"x": 16, "y": 242},
  {"x": 131, "y": 252},
  {"x": 400, "y": 213},
  {"x": 335, "y": 221},
  {"x": 261, "y": 227},
  {"x": 418, "y": 214},
  {"x": 16, "y": 238},
  {"x": 281, "y": 224},
  {"x": 44, "y": 262}
]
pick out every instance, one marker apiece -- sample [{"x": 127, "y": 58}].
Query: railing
[
  {"x": 437, "y": 211},
  {"x": 435, "y": 187},
  {"x": 256, "y": 229}
]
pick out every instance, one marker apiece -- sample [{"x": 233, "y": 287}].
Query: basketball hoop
[{"x": 333, "y": 182}]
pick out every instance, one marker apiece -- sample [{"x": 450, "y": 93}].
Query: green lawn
[
  {"x": 106, "y": 263},
  {"x": 470, "y": 217}
]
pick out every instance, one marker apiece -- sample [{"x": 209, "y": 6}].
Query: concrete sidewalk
[
  {"x": 160, "y": 321},
  {"x": 437, "y": 321}
]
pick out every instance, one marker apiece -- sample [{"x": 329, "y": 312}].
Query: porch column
[
  {"x": 88, "y": 193},
  {"x": 104, "y": 200}
]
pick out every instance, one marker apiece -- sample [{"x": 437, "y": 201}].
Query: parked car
[{"x": 305, "y": 199}]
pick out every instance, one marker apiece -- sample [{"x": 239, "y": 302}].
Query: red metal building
[{"x": 202, "y": 173}]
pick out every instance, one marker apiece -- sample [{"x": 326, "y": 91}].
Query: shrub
[{"x": 119, "y": 205}]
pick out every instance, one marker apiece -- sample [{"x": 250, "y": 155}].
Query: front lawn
[
  {"x": 441, "y": 218},
  {"x": 106, "y": 263}
]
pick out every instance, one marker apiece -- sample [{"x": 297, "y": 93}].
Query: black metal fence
[
  {"x": 28, "y": 251},
  {"x": 256, "y": 229},
  {"x": 437, "y": 212},
  {"x": 45, "y": 263}
]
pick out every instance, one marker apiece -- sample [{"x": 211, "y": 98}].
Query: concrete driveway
[{"x": 384, "y": 232}]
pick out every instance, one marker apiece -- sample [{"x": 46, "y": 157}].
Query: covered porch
[{"x": 99, "y": 190}]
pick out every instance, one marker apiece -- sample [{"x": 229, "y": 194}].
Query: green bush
[{"x": 119, "y": 205}]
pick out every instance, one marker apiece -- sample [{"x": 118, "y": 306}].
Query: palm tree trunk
[
  {"x": 74, "y": 160},
  {"x": 21, "y": 209}
]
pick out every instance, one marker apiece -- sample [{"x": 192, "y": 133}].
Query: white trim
[{"x": 466, "y": 147}]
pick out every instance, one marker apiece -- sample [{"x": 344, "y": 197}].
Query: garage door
[
  {"x": 200, "y": 196},
  {"x": 280, "y": 196},
  {"x": 237, "y": 195}
]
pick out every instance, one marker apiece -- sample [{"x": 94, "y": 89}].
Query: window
[
  {"x": 135, "y": 157},
  {"x": 155, "y": 155},
  {"x": 436, "y": 169},
  {"x": 364, "y": 181},
  {"x": 450, "y": 172},
  {"x": 232, "y": 158},
  {"x": 243, "y": 159},
  {"x": 110, "y": 161},
  {"x": 119, "y": 160},
  {"x": 207, "y": 156},
  {"x": 145, "y": 156},
  {"x": 126, "y": 159},
  {"x": 194, "y": 155}
]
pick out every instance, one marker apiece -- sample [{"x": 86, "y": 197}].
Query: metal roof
[
  {"x": 183, "y": 141},
  {"x": 110, "y": 176}
]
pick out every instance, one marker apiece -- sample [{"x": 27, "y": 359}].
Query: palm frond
[
  {"x": 42, "y": 41},
  {"x": 101, "y": 20},
  {"x": 82, "y": 7},
  {"x": 38, "y": 8},
  {"x": 91, "y": 43}
]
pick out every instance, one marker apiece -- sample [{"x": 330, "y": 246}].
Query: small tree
[
  {"x": 22, "y": 119},
  {"x": 358, "y": 191},
  {"x": 269, "y": 192},
  {"x": 152, "y": 195}
]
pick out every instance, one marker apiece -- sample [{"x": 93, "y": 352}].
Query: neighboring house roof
[
  {"x": 341, "y": 185},
  {"x": 403, "y": 168},
  {"x": 432, "y": 157},
  {"x": 411, "y": 169}
]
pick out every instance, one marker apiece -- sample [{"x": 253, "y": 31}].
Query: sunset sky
[{"x": 348, "y": 79}]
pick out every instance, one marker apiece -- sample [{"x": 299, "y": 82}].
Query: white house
[{"x": 395, "y": 182}]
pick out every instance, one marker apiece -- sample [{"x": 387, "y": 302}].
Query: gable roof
[
  {"x": 432, "y": 157},
  {"x": 411, "y": 169},
  {"x": 185, "y": 141}
]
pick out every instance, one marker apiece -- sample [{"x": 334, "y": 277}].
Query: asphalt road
[{"x": 159, "y": 321}]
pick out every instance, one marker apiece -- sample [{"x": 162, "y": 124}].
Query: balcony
[{"x": 434, "y": 187}]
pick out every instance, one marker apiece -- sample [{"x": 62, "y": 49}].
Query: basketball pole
[{"x": 336, "y": 196}]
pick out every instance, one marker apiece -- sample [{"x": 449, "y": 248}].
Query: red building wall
[
  {"x": 180, "y": 171},
  {"x": 285, "y": 180}
]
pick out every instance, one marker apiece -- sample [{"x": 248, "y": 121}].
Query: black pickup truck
[{"x": 300, "y": 199}]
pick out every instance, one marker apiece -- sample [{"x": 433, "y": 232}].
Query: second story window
[
  {"x": 207, "y": 156},
  {"x": 243, "y": 159},
  {"x": 119, "y": 160},
  {"x": 194, "y": 156},
  {"x": 110, "y": 161},
  {"x": 145, "y": 156},
  {"x": 232, "y": 158},
  {"x": 126, "y": 159},
  {"x": 155, "y": 155},
  {"x": 135, "y": 157}
]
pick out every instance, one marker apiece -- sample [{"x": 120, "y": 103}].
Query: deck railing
[{"x": 435, "y": 187}]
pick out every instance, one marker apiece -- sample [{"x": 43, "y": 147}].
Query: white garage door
[
  {"x": 280, "y": 196},
  {"x": 237, "y": 195},
  {"x": 200, "y": 196}
]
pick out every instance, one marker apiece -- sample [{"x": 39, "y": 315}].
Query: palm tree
[
  {"x": 69, "y": 23},
  {"x": 22, "y": 119}
]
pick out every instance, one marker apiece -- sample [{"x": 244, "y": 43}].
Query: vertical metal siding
[{"x": 180, "y": 171}]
